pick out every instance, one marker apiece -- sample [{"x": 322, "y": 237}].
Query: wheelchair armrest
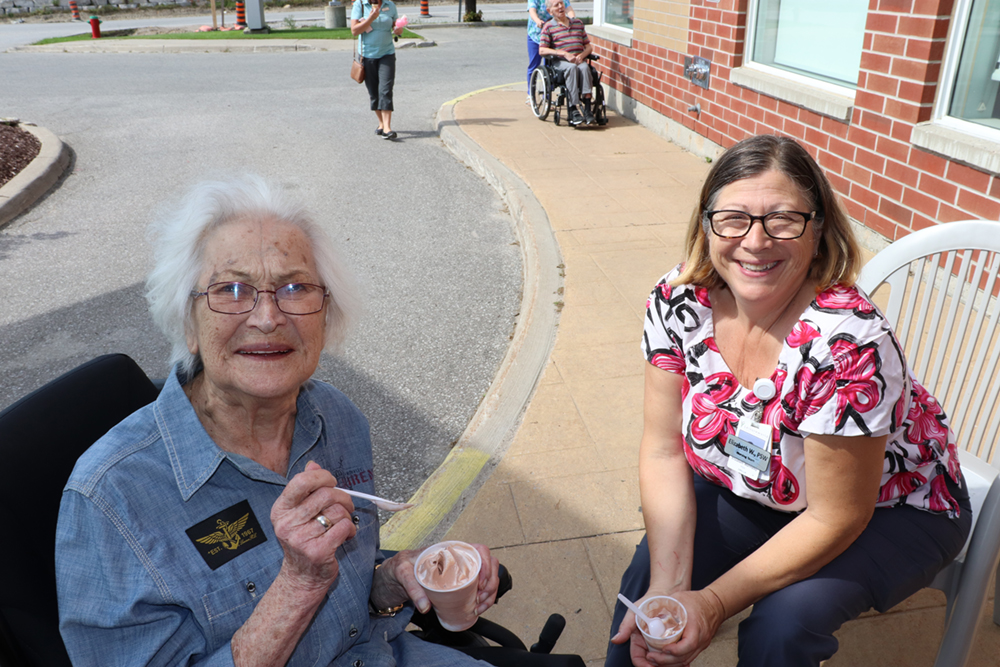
[{"x": 593, "y": 56}]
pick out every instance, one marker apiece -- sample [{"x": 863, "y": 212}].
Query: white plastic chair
[{"x": 944, "y": 309}]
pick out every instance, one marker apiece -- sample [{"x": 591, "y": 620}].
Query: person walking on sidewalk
[
  {"x": 565, "y": 41},
  {"x": 538, "y": 15},
  {"x": 374, "y": 23}
]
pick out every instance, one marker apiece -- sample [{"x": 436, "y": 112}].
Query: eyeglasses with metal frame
[
  {"x": 780, "y": 225},
  {"x": 235, "y": 298}
]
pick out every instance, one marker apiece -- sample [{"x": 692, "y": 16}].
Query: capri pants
[{"x": 380, "y": 75}]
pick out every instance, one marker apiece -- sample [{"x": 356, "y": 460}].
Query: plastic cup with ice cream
[
  {"x": 449, "y": 574},
  {"x": 671, "y": 613}
]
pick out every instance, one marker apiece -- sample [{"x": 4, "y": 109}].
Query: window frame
[
  {"x": 609, "y": 31},
  {"x": 952, "y": 137},
  {"x": 815, "y": 94}
]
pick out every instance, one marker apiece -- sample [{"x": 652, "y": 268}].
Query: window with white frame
[
  {"x": 975, "y": 84},
  {"x": 616, "y": 13},
  {"x": 820, "y": 40},
  {"x": 965, "y": 124}
]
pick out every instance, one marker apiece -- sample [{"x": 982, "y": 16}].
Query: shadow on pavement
[{"x": 43, "y": 347}]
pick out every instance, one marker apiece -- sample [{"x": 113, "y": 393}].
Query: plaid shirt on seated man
[{"x": 566, "y": 45}]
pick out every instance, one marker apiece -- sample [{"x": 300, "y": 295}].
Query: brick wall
[
  {"x": 663, "y": 23},
  {"x": 888, "y": 185}
]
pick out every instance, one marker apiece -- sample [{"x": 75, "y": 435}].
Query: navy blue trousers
[{"x": 900, "y": 552}]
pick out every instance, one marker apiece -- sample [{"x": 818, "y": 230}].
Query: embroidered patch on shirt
[{"x": 226, "y": 535}]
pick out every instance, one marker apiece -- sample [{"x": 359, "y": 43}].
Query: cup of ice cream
[
  {"x": 670, "y": 613},
  {"x": 449, "y": 574}
]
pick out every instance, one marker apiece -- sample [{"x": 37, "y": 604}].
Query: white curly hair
[{"x": 178, "y": 239}]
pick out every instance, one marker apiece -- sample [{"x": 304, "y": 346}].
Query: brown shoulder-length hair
[{"x": 838, "y": 258}]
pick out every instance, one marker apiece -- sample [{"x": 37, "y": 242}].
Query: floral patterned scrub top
[{"x": 841, "y": 371}]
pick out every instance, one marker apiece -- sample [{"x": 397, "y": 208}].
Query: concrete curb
[
  {"x": 37, "y": 178},
  {"x": 112, "y": 45},
  {"x": 452, "y": 486}
]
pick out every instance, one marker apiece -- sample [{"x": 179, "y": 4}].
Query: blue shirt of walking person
[{"x": 377, "y": 42}]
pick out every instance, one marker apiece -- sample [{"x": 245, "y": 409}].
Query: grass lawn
[{"x": 305, "y": 32}]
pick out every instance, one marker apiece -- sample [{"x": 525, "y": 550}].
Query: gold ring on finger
[{"x": 323, "y": 521}]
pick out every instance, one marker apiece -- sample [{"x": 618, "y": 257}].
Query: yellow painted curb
[
  {"x": 434, "y": 499},
  {"x": 499, "y": 414},
  {"x": 476, "y": 92}
]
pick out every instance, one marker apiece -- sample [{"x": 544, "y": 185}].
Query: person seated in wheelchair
[
  {"x": 566, "y": 46},
  {"x": 210, "y": 527}
]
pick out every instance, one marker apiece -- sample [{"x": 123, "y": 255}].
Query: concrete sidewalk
[{"x": 561, "y": 509}]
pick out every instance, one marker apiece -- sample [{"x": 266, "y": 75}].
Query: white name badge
[{"x": 750, "y": 450}]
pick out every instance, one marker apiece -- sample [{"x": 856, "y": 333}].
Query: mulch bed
[{"x": 17, "y": 148}]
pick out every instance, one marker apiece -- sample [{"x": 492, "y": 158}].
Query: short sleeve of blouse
[
  {"x": 855, "y": 381},
  {"x": 672, "y": 313},
  {"x": 357, "y": 11}
]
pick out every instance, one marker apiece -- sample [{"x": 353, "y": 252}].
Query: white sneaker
[{"x": 528, "y": 100}]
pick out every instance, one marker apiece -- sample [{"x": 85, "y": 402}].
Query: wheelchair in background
[{"x": 547, "y": 92}]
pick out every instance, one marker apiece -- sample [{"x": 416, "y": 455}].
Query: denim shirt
[{"x": 134, "y": 587}]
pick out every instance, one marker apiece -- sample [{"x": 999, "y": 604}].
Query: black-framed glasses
[
  {"x": 234, "y": 298},
  {"x": 781, "y": 225}
]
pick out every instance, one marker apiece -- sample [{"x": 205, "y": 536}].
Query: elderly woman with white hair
[{"x": 209, "y": 528}]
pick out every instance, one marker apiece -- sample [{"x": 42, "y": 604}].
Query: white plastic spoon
[
  {"x": 381, "y": 503},
  {"x": 654, "y": 626}
]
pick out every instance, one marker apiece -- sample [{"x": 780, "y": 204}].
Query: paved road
[{"x": 430, "y": 242}]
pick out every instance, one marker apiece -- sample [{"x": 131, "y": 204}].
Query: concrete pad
[
  {"x": 578, "y": 506},
  {"x": 610, "y": 555},
  {"x": 594, "y": 208},
  {"x": 623, "y": 219},
  {"x": 673, "y": 204},
  {"x": 608, "y": 166},
  {"x": 639, "y": 178},
  {"x": 614, "y": 237},
  {"x": 550, "y": 375},
  {"x": 553, "y": 578},
  {"x": 600, "y": 324},
  {"x": 590, "y": 292},
  {"x": 543, "y": 465},
  {"x": 636, "y": 272},
  {"x": 494, "y": 500},
  {"x": 551, "y": 424},
  {"x": 597, "y": 362},
  {"x": 672, "y": 234},
  {"x": 612, "y": 410}
]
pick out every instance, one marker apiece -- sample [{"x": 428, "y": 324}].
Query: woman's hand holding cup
[
  {"x": 704, "y": 615},
  {"x": 402, "y": 582}
]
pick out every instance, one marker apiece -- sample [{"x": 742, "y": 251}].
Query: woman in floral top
[{"x": 826, "y": 477}]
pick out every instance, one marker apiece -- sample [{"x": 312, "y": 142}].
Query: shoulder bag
[{"x": 357, "y": 69}]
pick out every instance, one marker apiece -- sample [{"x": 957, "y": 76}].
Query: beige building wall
[{"x": 663, "y": 23}]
